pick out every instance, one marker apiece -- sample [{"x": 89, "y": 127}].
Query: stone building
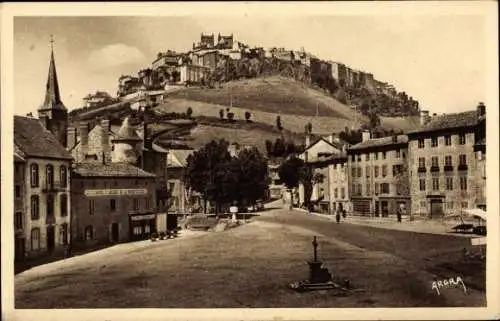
[
  {"x": 193, "y": 74},
  {"x": 181, "y": 201},
  {"x": 339, "y": 72},
  {"x": 378, "y": 175},
  {"x": 480, "y": 151},
  {"x": 42, "y": 190},
  {"x": 443, "y": 163}
]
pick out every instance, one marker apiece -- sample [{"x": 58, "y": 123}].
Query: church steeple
[
  {"x": 52, "y": 96},
  {"x": 52, "y": 113}
]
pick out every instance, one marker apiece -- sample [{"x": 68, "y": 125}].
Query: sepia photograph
[{"x": 179, "y": 156}]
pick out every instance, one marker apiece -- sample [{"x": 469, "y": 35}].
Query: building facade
[
  {"x": 444, "y": 164},
  {"x": 112, "y": 202},
  {"x": 42, "y": 190},
  {"x": 378, "y": 176}
]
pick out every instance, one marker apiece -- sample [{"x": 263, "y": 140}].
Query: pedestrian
[
  {"x": 344, "y": 213},
  {"x": 337, "y": 217},
  {"x": 399, "y": 215}
]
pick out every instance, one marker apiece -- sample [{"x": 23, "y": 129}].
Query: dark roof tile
[
  {"x": 35, "y": 141},
  {"x": 449, "y": 121},
  {"x": 109, "y": 170},
  {"x": 378, "y": 142}
]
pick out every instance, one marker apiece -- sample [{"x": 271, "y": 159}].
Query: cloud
[{"x": 115, "y": 55}]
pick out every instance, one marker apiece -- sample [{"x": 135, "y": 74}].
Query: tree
[
  {"x": 278, "y": 123},
  {"x": 252, "y": 176},
  {"x": 208, "y": 172},
  {"x": 289, "y": 172},
  {"x": 189, "y": 112},
  {"x": 308, "y": 178},
  {"x": 221, "y": 114},
  {"x": 279, "y": 148},
  {"x": 308, "y": 128},
  {"x": 247, "y": 116}
]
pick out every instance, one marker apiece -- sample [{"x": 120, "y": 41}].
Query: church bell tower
[{"x": 52, "y": 113}]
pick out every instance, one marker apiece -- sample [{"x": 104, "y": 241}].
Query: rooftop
[
  {"x": 110, "y": 170},
  {"x": 34, "y": 140},
  {"x": 379, "y": 142},
  {"x": 449, "y": 121}
]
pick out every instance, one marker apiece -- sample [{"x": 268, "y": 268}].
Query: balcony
[
  {"x": 448, "y": 168},
  {"x": 462, "y": 167},
  {"x": 434, "y": 169},
  {"x": 422, "y": 170},
  {"x": 53, "y": 188}
]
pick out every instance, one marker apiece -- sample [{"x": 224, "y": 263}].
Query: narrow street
[{"x": 252, "y": 266}]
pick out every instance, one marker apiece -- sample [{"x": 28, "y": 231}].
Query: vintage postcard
[{"x": 250, "y": 161}]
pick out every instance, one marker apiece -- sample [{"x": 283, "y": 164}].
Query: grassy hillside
[{"x": 270, "y": 94}]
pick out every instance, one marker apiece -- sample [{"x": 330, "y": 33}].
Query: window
[
  {"x": 353, "y": 172},
  {"x": 63, "y": 203},
  {"x": 360, "y": 172},
  {"x": 384, "y": 155},
  {"x": 34, "y": 175},
  {"x": 63, "y": 176},
  {"x": 18, "y": 221},
  {"x": 112, "y": 205},
  {"x": 464, "y": 204},
  {"x": 435, "y": 161},
  {"x": 421, "y": 162},
  {"x": 359, "y": 189},
  {"x": 422, "y": 184},
  {"x": 384, "y": 188},
  {"x": 146, "y": 202},
  {"x": 398, "y": 153},
  {"x": 463, "y": 183},
  {"x": 384, "y": 170},
  {"x": 368, "y": 189},
  {"x": 376, "y": 188},
  {"x": 63, "y": 234},
  {"x": 447, "y": 140},
  {"x": 435, "y": 183},
  {"x": 375, "y": 169},
  {"x": 171, "y": 186},
  {"x": 421, "y": 143},
  {"x": 367, "y": 171},
  {"x": 462, "y": 159},
  {"x": 461, "y": 139},
  {"x": 50, "y": 206},
  {"x": 17, "y": 191},
  {"x": 353, "y": 158},
  {"x": 89, "y": 233},
  {"x": 396, "y": 169},
  {"x": 342, "y": 192},
  {"x": 434, "y": 141},
  {"x": 359, "y": 158},
  {"x": 335, "y": 192},
  {"x": 49, "y": 175},
  {"x": 35, "y": 238},
  {"x": 91, "y": 207},
  {"x": 35, "y": 207},
  {"x": 367, "y": 157},
  {"x": 447, "y": 160},
  {"x": 449, "y": 183},
  {"x": 136, "y": 204},
  {"x": 375, "y": 156},
  {"x": 404, "y": 155}
]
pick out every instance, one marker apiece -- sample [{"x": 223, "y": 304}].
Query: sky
[{"x": 438, "y": 60}]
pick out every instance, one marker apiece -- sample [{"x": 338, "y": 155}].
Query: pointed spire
[{"x": 52, "y": 95}]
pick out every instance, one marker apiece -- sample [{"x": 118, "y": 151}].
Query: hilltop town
[{"x": 215, "y": 60}]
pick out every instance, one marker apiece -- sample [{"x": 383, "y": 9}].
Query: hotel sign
[
  {"x": 142, "y": 217},
  {"x": 115, "y": 192}
]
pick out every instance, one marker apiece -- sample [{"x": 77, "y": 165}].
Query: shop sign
[
  {"x": 142, "y": 217},
  {"x": 115, "y": 192}
]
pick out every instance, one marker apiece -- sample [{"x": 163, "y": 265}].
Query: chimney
[
  {"x": 330, "y": 138},
  {"x": 424, "y": 117},
  {"x": 106, "y": 147},
  {"x": 481, "y": 110},
  {"x": 366, "y": 135},
  {"x": 84, "y": 141},
  {"x": 71, "y": 137},
  {"x": 308, "y": 140}
]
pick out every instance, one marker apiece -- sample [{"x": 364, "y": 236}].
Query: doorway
[
  {"x": 115, "y": 233},
  {"x": 377, "y": 208},
  {"x": 19, "y": 249},
  {"x": 51, "y": 240},
  {"x": 385, "y": 208},
  {"x": 436, "y": 208}
]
